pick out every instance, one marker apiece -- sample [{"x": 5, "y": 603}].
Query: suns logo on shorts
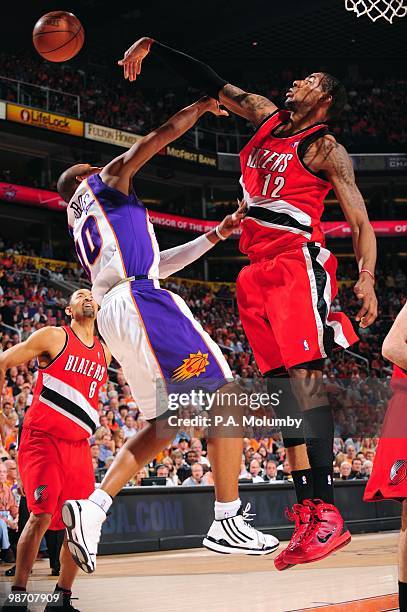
[
  {"x": 398, "y": 472},
  {"x": 194, "y": 365}
]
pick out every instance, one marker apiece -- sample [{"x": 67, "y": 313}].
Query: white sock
[
  {"x": 102, "y": 499},
  {"x": 226, "y": 509}
]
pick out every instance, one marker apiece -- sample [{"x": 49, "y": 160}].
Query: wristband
[
  {"x": 219, "y": 235},
  {"x": 368, "y": 272}
]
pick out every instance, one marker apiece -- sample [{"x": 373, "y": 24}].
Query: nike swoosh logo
[{"x": 325, "y": 538}]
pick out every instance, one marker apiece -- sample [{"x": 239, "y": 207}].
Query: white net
[{"x": 378, "y": 9}]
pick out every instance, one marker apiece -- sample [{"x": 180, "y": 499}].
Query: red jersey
[
  {"x": 67, "y": 391},
  {"x": 286, "y": 200}
]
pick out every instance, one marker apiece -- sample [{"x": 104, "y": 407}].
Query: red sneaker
[
  {"x": 326, "y": 533},
  {"x": 302, "y": 517}
]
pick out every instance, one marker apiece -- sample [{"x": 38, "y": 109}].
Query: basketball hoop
[{"x": 378, "y": 9}]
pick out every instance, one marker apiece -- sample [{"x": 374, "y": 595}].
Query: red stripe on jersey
[
  {"x": 67, "y": 391},
  {"x": 286, "y": 199}
]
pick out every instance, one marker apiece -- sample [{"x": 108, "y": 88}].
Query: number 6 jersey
[
  {"x": 67, "y": 391},
  {"x": 114, "y": 237},
  {"x": 286, "y": 200}
]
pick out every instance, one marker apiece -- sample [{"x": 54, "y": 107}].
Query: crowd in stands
[
  {"x": 375, "y": 115},
  {"x": 357, "y": 384}
]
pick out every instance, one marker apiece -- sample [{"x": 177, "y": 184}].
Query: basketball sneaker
[
  {"x": 234, "y": 535},
  {"x": 301, "y": 516},
  {"x": 83, "y": 520},
  {"x": 326, "y": 533}
]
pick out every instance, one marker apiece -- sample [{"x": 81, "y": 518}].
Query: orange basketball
[{"x": 58, "y": 36}]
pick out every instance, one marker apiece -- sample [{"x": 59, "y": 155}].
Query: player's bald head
[{"x": 70, "y": 179}]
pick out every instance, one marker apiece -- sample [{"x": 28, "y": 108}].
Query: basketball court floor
[{"x": 360, "y": 578}]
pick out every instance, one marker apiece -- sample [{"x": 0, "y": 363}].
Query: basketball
[{"x": 58, "y": 36}]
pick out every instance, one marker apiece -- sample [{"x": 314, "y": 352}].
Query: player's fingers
[
  {"x": 126, "y": 71},
  {"x": 138, "y": 66},
  {"x": 371, "y": 315},
  {"x": 363, "y": 310}
]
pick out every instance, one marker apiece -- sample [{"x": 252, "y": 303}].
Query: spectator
[
  {"x": 196, "y": 479},
  {"x": 8, "y": 516},
  {"x": 255, "y": 470},
  {"x": 183, "y": 445},
  {"x": 162, "y": 471},
  {"x": 105, "y": 447},
  {"x": 367, "y": 469},
  {"x": 95, "y": 454},
  {"x": 111, "y": 421},
  {"x": 129, "y": 428},
  {"x": 272, "y": 474},
  {"x": 172, "y": 474},
  {"x": 196, "y": 445},
  {"x": 345, "y": 470},
  {"x": 356, "y": 472},
  {"x": 143, "y": 473}
]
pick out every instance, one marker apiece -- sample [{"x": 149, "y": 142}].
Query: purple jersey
[{"x": 114, "y": 237}]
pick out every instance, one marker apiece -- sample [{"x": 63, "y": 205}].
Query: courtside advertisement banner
[
  {"x": 3, "y": 111},
  {"x": 45, "y": 120},
  {"x": 20, "y": 194},
  {"x": 101, "y": 133}
]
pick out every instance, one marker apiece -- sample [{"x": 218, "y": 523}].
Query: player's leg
[
  {"x": 252, "y": 309},
  {"x": 306, "y": 334},
  {"x": 328, "y": 531},
  {"x": 63, "y": 588},
  {"x": 83, "y": 518},
  {"x": 39, "y": 467},
  {"x": 231, "y": 532}
]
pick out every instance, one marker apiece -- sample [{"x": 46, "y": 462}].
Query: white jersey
[{"x": 114, "y": 237}]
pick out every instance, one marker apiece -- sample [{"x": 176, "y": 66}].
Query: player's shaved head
[{"x": 70, "y": 179}]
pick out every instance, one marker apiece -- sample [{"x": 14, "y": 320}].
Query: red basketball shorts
[
  {"x": 389, "y": 475},
  {"x": 53, "y": 470},
  {"x": 284, "y": 305}
]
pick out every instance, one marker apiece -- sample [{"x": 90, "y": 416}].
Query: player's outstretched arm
[
  {"x": 334, "y": 160},
  {"x": 47, "y": 341},
  {"x": 119, "y": 172},
  {"x": 251, "y": 106},
  {"x": 395, "y": 343},
  {"x": 175, "y": 259}
]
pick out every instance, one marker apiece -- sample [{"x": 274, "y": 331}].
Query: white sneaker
[
  {"x": 235, "y": 535},
  {"x": 83, "y": 520}
]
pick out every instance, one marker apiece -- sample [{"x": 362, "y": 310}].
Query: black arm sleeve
[{"x": 197, "y": 73}]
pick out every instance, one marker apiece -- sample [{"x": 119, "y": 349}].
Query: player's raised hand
[
  {"x": 134, "y": 56},
  {"x": 215, "y": 108},
  {"x": 231, "y": 222},
  {"x": 364, "y": 290}
]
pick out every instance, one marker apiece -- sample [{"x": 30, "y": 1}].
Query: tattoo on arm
[
  {"x": 251, "y": 106},
  {"x": 335, "y": 160}
]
